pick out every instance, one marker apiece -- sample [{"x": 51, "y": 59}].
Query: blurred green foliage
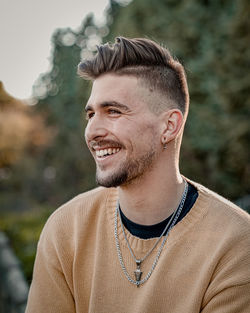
[
  {"x": 23, "y": 231},
  {"x": 211, "y": 38}
]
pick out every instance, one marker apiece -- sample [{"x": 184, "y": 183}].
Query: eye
[
  {"x": 114, "y": 112},
  {"x": 89, "y": 115}
]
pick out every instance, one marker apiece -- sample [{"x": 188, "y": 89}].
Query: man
[{"x": 149, "y": 240}]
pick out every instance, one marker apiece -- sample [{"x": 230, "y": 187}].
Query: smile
[{"x": 105, "y": 152}]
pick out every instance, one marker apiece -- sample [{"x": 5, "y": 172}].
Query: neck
[{"x": 154, "y": 196}]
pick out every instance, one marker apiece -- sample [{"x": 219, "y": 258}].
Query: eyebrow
[{"x": 106, "y": 104}]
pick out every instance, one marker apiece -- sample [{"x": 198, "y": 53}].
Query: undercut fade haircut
[{"x": 143, "y": 58}]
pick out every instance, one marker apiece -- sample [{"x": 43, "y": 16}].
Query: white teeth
[{"x": 109, "y": 151}]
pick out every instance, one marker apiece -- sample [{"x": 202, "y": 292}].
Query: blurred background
[{"x": 43, "y": 158}]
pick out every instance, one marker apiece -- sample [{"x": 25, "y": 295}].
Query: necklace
[{"x": 138, "y": 273}]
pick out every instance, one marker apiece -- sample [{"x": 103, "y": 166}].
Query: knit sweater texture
[{"x": 204, "y": 266}]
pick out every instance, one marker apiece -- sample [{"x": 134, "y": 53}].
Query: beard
[{"x": 129, "y": 171}]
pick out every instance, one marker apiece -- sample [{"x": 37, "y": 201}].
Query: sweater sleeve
[
  {"x": 235, "y": 299},
  {"x": 51, "y": 288},
  {"x": 229, "y": 288}
]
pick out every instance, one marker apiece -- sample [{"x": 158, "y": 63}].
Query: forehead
[{"x": 111, "y": 87}]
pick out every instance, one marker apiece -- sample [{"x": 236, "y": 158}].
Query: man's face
[{"x": 122, "y": 132}]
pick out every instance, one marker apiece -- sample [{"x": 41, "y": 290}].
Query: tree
[{"x": 20, "y": 129}]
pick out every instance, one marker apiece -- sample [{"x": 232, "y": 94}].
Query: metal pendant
[{"x": 138, "y": 272}]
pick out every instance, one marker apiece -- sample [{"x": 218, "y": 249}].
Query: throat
[
  {"x": 150, "y": 207},
  {"x": 154, "y": 231}
]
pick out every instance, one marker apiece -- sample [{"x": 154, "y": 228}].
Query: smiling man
[{"x": 149, "y": 239}]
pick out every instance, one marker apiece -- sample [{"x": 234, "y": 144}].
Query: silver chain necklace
[{"x": 138, "y": 273}]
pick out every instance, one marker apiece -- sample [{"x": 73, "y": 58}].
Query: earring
[{"x": 165, "y": 146}]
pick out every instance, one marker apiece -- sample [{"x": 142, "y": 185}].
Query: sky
[{"x": 26, "y": 27}]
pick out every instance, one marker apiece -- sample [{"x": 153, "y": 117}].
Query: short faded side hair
[{"x": 144, "y": 59}]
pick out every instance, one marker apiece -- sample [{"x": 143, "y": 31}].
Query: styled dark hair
[{"x": 144, "y": 59}]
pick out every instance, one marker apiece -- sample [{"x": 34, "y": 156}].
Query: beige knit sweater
[{"x": 204, "y": 266}]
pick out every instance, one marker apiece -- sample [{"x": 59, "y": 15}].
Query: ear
[{"x": 173, "y": 122}]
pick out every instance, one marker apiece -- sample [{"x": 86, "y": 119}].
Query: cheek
[
  {"x": 150, "y": 137},
  {"x": 148, "y": 130},
  {"x": 132, "y": 131},
  {"x": 143, "y": 136},
  {"x": 86, "y": 131},
  {"x": 85, "y": 134}
]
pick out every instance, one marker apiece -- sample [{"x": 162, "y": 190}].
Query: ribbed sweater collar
[{"x": 197, "y": 212}]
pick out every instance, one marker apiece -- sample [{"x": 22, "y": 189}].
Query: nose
[{"x": 96, "y": 128}]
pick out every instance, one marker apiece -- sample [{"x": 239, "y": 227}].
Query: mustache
[{"x": 104, "y": 143}]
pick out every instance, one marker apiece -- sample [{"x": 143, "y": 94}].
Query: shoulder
[
  {"x": 73, "y": 217},
  {"x": 84, "y": 203},
  {"x": 225, "y": 206},
  {"x": 222, "y": 214},
  {"x": 224, "y": 233}
]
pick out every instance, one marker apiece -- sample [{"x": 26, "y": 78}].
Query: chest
[{"x": 177, "y": 283}]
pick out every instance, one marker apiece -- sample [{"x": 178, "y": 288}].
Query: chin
[{"x": 113, "y": 180}]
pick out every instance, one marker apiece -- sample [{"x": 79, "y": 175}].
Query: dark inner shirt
[{"x": 152, "y": 231}]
